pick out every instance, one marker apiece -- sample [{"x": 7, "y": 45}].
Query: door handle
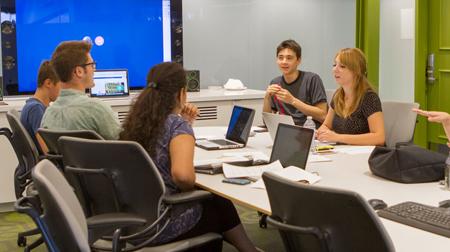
[{"x": 430, "y": 69}]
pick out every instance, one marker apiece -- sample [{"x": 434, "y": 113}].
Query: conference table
[{"x": 347, "y": 169}]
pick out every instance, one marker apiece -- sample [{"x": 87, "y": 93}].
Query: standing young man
[
  {"x": 73, "y": 110},
  {"x": 48, "y": 87},
  {"x": 296, "y": 93}
]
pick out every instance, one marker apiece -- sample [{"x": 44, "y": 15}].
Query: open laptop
[
  {"x": 272, "y": 120},
  {"x": 237, "y": 134},
  {"x": 110, "y": 83},
  {"x": 292, "y": 145}
]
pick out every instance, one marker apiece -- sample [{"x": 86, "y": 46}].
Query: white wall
[
  {"x": 396, "y": 53},
  {"x": 238, "y": 38}
]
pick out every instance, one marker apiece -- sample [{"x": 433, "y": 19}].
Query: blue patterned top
[{"x": 183, "y": 218}]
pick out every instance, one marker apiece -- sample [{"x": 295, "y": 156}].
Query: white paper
[
  {"x": 313, "y": 158},
  {"x": 233, "y": 171},
  {"x": 353, "y": 150},
  {"x": 255, "y": 155},
  {"x": 291, "y": 173}
]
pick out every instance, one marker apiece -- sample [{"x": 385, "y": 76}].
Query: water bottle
[
  {"x": 447, "y": 173},
  {"x": 310, "y": 124}
]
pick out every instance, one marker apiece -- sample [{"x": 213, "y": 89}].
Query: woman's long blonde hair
[{"x": 355, "y": 60}]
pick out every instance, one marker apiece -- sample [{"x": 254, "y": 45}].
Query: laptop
[
  {"x": 237, "y": 133},
  {"x": 272, "y": 120},
  {"x": 292, "y": 145},
  {"x": 110, "y": 83}
]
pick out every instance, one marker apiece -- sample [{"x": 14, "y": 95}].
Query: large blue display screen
[{"x": 125, "y": 34}]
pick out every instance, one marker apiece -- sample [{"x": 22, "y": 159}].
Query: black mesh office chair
[
  {"x": 51, "y": 137},
  {"x": 27, "y": 157},
  {"x": 312, "y": 218},
  {"x": 65, "y": 226},
  {"x": 120, "y": 176}
]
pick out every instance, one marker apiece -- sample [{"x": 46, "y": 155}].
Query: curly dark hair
[{"x": 147, "y": 117}]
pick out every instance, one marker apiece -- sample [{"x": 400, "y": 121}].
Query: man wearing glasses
[{"x": 73, "y": 110}]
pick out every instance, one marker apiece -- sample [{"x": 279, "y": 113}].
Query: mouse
[
  {"x": 444, "y": 204},
  {"x": 377, "y": 204}
]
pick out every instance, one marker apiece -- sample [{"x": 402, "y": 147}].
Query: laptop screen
[
  {"x": 240, "y": 124},
  {"x": 291, "y": 145},
  {"x": 110, "y": 83}
]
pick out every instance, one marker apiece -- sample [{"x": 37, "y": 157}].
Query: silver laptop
[
  {"x": 110, "y": 83},
  {"x": 272, "y": 120},
  {"x": 237, "y": 134}
]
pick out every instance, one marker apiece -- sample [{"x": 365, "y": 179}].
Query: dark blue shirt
[
  {"x": 31, "y": 117},
  {"x": 184, "y": 217}
]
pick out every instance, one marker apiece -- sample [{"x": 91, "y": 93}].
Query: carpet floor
[{"x": 11, "y": 223}]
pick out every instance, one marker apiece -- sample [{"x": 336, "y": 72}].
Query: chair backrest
[
  {"x": 129, "y": 175},
  {"x": 344, "y": 218},
  {"x": 63, "y": 214},
  {"x": 399, "y": 121},
  {"x": 51, "y": 137},
  {"x": 25, "y": 149}
]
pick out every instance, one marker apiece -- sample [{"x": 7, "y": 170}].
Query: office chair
[
  {"x": 120, "y": 176},
  {"x": 399, "y": 122},
  {"x": 65, "y": 226},
  {"x": 27, "y": 156},
  {"x": 51, "y": 137},
  {"x": 312, "y": 218}
]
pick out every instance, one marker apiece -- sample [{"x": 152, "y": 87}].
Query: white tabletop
[{"x": 345, "y": 171}]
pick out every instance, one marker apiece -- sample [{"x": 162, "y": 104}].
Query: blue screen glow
[{"x": 125, "y": 34}]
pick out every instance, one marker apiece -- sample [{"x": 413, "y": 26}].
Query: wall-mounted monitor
[{"x": 133, "y": 34}]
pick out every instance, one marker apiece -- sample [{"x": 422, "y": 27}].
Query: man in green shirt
[{"x": 73, "y": 110}]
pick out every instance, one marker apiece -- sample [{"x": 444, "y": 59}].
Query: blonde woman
[{"x": 355, "y": 116}]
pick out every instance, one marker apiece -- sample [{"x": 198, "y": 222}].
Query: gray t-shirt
[{"x": 308, "y": 88}]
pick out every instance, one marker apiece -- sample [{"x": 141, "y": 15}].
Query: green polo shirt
[{"x": 73, "y": 110}]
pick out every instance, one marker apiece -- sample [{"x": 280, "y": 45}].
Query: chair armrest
[
  {"x": 321, "y": 235},
  {"x": 105, "y": 224},
  {"x": 187, "y": 197},
  {"x": 115, "y": 220}
]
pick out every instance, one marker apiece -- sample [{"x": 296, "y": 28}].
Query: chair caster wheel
[
  {"x": 263, "y": 221},
  {"x": 21, "y": 241}
]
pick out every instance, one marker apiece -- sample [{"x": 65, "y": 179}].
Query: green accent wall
[
  {"x": 421, "y": 51},
  {"x": 368, "y": 35}
]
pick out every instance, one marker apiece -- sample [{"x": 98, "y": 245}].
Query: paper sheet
[
  {"x": 313, "y": 158},
  {"x": 291, "y": 173},
  {"x": 255, "y": 155},
  {"x": 353, "y": 150},
  {"x": 233, "y": 171}
]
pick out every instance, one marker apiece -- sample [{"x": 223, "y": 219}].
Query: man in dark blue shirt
[{"x": 47, "y": 91}]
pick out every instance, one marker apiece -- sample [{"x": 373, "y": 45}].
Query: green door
[{"x": 438, "y": 93}]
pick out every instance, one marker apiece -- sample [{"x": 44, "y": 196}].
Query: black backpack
[{"x": 407, "y": 164}]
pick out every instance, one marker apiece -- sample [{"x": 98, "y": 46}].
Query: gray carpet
[{"x": 265, "y": 239}]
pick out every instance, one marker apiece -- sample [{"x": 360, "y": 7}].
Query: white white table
[{"x": 345, "y": 171}]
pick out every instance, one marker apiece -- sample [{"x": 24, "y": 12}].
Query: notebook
[
  {"x": 110, "y": 83},
  {"x": 272, "y": 120},
  {"x": 237, "y": 133}
]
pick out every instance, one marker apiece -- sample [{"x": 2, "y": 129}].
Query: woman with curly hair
[{"x": 160, "y": 120}]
